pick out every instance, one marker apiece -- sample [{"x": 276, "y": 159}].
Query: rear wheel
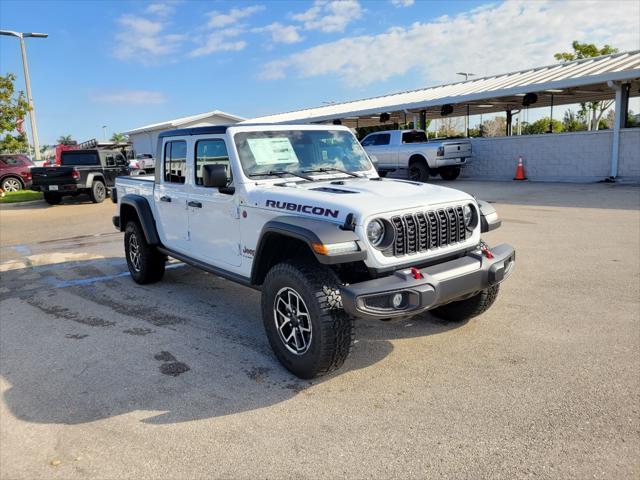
[
  {"x": 146, "y": 264},
  {"x": 52, "y": 198},
  {"x": 449, "y": 173},
  {"x": 469, "y": 308},
  {"x": 11, "y": 184},
  {"x": 307, "y": 328},
  {"x": 418, "y": 171},
  {"x": 98, "y": 191}
]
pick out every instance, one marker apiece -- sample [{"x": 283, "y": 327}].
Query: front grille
[{"x": 422, "y": 231}]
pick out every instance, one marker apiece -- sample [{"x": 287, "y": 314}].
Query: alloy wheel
[
  {"x": 134, "y": 252},
  {"x": 292, "y": 320},
  {"x": 11, "y": 185}
]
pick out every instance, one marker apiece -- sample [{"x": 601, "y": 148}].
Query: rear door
[
  {"x": 213, "y": 216},
  {"x": 170, "y": 197},
  {"x": 380, "y": 148}
]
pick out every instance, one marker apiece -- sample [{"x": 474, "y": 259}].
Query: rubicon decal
[{"x": 296, "y": 207}]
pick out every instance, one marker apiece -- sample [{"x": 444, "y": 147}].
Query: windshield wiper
[
  {"x": 282, "y": 173},
  {"x": 332, "y": 169}
]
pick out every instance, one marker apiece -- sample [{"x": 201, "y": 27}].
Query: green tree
[
  {"x": 13, "y": 110},
  {"x": 593, "y": 110},
  {"x": 119, "y": 138},
  {"x": 541, "y": 126},
  {"x": 573, "y": 122},
  {"x": 66, "y": 140}
]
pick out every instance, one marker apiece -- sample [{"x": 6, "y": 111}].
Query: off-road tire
[
  {"x": 11, "y": 184},
  {"x": 449, "y": 173},
  {"x": 468, "y": 308},
  {"x": 98, "y": 191},
  {"x": 418, "y": 171},
  {"x": 332, "y": 328},
  {"x": 149, "y": 266},
  {"x": 52, "y": 198}
]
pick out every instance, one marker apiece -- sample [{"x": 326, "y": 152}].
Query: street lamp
[
  {"x": 104, "y": 132},
  {"x": 466, "y": 119},
  {"x": 25, "y": 66}
]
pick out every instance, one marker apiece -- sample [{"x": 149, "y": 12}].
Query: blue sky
[{"x": 128, "y": 63}]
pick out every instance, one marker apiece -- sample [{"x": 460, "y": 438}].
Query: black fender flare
[
  {"x": 144, "y": 214},
  {"x": 310, "y": 231},
  {"x": 489, "y": 219},
  {"x": 93, "y": 176}
]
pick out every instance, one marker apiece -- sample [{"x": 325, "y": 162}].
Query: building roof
[
  {"x": 185, "y": 120},
  {"x": 560, "y": 83}
]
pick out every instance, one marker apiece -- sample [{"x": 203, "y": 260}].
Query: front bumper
[{"x": 442, "y": 283}]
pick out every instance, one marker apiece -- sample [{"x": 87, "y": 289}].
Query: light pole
[
  {"x": 104, "y": 132},
  {"x": 25, "y": 66},
  {"x": 466, "y": 119}
]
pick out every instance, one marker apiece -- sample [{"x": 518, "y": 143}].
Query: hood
[{"x": 335, "y": 199}]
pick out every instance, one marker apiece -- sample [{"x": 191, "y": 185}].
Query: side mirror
[{"x": 214, "y": 175}]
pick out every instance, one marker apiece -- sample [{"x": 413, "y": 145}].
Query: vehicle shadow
[{"x": 82, "y": 342}]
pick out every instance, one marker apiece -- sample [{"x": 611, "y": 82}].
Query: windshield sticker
[{"x": 272, "y": 151}]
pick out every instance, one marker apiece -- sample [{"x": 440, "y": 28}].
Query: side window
[
  {"x": 369, "y": 140},
  {"x": 12, "y": 161},
  {"x": 109, "y": 160},
  {"x": 120, "y": 160},
  {"x": 211, "y": 152},
  {"x": 382, "y": 139},
  {"x": 175, "y": 161}
]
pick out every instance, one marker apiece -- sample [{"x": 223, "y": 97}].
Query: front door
[
  {"x": 170, "y": 198},
  {"x": 213, "y": 216}
]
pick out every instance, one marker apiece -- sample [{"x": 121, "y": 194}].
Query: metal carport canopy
[{"x": 561, "y": 83}]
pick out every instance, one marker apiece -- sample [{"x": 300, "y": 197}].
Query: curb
[{"x": 21, "y": 204}]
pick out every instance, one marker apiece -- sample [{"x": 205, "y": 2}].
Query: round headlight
[
  {"x": 467, "y": 212},
  {"x": 375, "y": 232}
]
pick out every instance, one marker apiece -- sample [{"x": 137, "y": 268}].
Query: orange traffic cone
[{"x": 520, "y": 170}]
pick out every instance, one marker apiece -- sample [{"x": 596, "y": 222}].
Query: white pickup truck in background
[{"x": 411, "y": 150}]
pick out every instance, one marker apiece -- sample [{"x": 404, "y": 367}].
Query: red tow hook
[
  {"x": 484, "y": 248},
  {"x": 416, "y": 273}
]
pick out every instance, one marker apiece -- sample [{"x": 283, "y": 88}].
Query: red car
[{"x": 15, "y": 173}]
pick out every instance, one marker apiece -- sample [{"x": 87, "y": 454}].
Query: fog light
[{"x": 396, "y": 300}]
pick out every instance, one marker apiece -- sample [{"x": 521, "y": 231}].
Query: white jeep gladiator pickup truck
[
  {"x": 410, "y": 150},
  {"x": 299, "y": 212}
]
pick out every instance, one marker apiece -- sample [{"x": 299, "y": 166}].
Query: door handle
[
  {"x": 191, "y": 203},
  {"x": 165, "y": 199}
]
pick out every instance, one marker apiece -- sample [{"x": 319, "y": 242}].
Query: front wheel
[
  {"x": 307, "y": 328},
  {"x": 471, "y": 307},
  {"x": 449, "y": 173},
  {"x": 98, "y": 192},
  {"x": 146, "y": 264}
]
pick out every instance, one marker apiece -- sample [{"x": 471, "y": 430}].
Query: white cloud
[
  {"x": 511, "y": 35},
  {"x": 403, "y": 3},
  {"x": 144, "y": 40},
  {"x": 329, "y": 16},
  {"x": 281, "y": 33},
  {"x": 220, "y": 41},
  {"x": 161, "y": 9},
  {"x": 130, "y": 97},
  {"x": 220, "y": 20}
]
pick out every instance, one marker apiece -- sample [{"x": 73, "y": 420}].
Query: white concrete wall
[
  {"x": 146, "y": 142},
  {"x": 576, "y": 156}
]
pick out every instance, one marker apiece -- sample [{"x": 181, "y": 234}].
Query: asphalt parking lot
[{"x": 103, "y": 378}]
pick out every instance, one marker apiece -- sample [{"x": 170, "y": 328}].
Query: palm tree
[
  {"x": 66, "y": 140},
  {"x": 119, "y": 138}
]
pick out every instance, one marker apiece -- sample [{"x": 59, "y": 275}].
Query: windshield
[{"x": 300, "y": 152}]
